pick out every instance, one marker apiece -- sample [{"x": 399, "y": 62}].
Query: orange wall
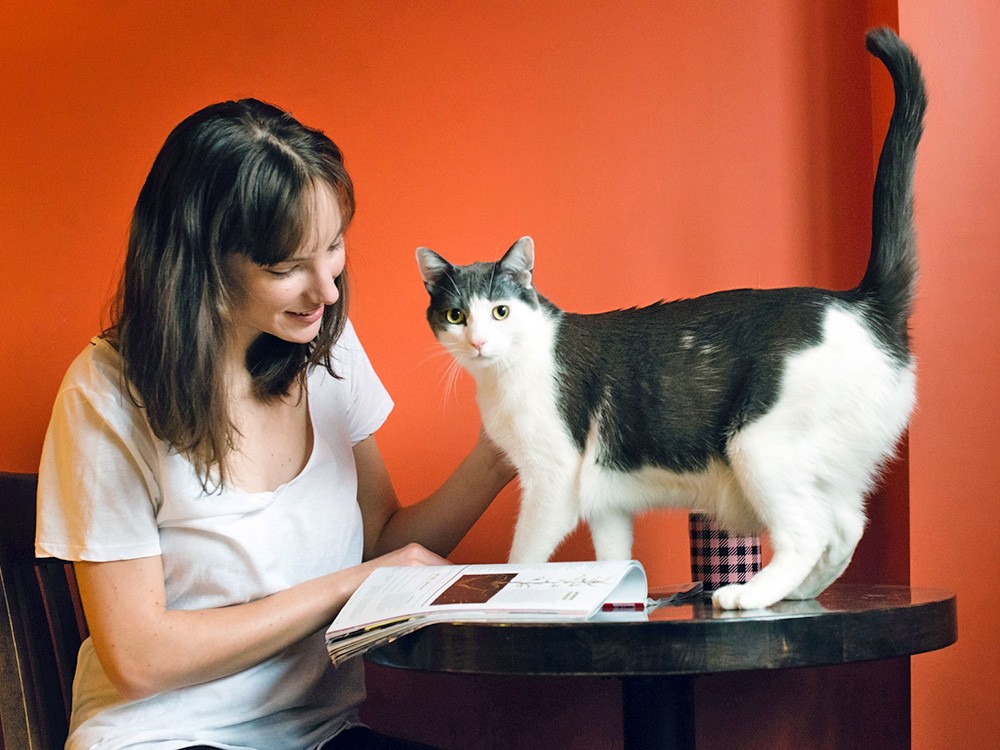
[
  {"x": 668, "y": 151},
  {"x": 653, "y": 149},
  {"x": 954, "y": 462}
]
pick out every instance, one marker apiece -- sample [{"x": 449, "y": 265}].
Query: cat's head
[{"x": 483, "y": 312}]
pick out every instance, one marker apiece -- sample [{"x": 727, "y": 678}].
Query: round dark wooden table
[{"x": 657, "y": 654}]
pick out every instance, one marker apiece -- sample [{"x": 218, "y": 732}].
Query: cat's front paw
[{"x": 740, "y": 596}]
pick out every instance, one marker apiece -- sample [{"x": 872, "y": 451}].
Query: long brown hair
[{"x": 234, "y": 177}]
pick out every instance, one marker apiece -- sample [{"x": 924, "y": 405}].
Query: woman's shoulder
[
  {"x": 93, "y": 402},
  {"x": 95, "y": 377},
  {"x": 97, "y": 368}
]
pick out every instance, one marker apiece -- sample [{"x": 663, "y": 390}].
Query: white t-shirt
[{"x": 110, "y": 490}]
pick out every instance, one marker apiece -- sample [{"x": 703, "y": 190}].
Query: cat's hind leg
[
  {"x": 792, "y": 562},
  {"x": 780, "y": 486},
  {"x": 849, "y": 526}
]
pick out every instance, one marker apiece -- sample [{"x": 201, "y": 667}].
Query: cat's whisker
[
  {"x": 448, "y": 381},
  {"x": 454, "y": 373},
  {"x": 447, "y": 376},
  {"x": 435, "y": 353}
]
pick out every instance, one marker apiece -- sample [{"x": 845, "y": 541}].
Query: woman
[{"x": 210, "y": 464}]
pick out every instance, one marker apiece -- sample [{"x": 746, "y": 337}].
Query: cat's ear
[
  {"x": 519, "y": 261},
  {"x": 433, "y": 267}
]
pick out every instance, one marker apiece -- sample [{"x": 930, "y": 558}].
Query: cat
[{"x": 771, "y": 410}]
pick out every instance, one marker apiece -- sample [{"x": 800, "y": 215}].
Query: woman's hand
[{"x": 410, "y": 555}]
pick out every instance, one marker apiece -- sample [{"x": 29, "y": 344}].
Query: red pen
[{"x": 623, "y": 606}]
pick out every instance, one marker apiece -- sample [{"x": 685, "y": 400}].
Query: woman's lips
[{"x": 309, "y": 317}]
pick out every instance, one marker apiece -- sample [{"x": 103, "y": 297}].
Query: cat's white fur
[{"x": 800, "y": 472}]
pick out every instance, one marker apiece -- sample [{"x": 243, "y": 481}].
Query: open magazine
[{"x": 395, "y": 601}]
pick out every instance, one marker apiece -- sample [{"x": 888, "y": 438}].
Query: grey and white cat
[{"x": 769, "y": 409}]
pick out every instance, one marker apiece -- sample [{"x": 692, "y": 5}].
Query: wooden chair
[{"x": 41, "y": 627}]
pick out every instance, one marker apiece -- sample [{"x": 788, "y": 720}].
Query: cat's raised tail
[{"x": 890, "y": 278}]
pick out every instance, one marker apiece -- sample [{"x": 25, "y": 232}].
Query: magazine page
[{"x": 457, "y": 592}]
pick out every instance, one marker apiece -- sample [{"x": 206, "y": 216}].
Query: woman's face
[{"x": 288, "y": 299}]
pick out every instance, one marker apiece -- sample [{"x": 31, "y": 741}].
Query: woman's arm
[
  {"x": 146, "y": 648},
  {"x": 440, "y": 521}
]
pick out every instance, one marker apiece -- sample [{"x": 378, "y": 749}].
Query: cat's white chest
[{"x": 518, "y": 402}]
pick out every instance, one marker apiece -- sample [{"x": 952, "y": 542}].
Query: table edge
[{"x": 678, "y": 647}]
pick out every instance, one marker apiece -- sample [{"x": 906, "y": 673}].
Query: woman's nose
[{"x": 325, "y": 288}]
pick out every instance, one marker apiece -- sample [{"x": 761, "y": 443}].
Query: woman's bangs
[{"x": 276, "y": 212}]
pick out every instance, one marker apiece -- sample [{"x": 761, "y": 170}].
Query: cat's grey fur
[{"x": 772, "y": 410}]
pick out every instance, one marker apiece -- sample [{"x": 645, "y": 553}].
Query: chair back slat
[
  {"x": 41, "y": 627},
  {"x": 57, "y": 586}
]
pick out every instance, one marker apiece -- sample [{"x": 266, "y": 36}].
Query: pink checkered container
[{"x": 719, "y": 558}]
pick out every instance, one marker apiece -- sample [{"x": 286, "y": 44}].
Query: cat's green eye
[
  {"x": 455, "y": 316},
  {"x": 500, "y": 312}
]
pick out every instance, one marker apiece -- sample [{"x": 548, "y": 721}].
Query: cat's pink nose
[{"x": 478, "y": 344}]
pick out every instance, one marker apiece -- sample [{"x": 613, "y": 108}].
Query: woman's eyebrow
[{"x": 297, "y": 258}]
